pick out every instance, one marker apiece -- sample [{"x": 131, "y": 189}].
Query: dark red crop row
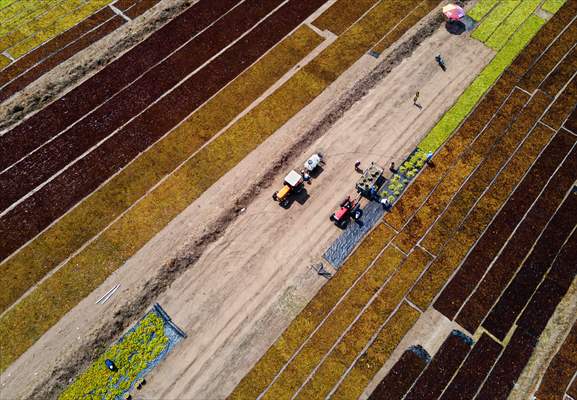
[
  {"x": 474, "y": 370},
  {"x": 494, "y": 238},
  {"x": 550, "y": 58},
  {"x": 50, "y": 202},
  {"x": 508, "y": 368},
  {"x": 140, "y": 7},
  {"x": 24, "y": 176},
  {"x": 561, "y": 369},
  {"x": 544, "y": 38},
  {"x": 50, "y": 121},
  {"x": 523, "y": 285},
  {"x": 59, "y": 56},
  {"x": 549, "y": 293},
  {"x": 401, "y": 377},
  {"x": 53, "y": 46},
  {"x": 442, "y": 367},
  {"x": 505, "y": 266}
]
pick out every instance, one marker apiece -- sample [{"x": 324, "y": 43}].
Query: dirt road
[{"x": 249, "y": 284}]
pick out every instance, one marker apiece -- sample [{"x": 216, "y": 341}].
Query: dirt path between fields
[{"x": 247, "y": 286}]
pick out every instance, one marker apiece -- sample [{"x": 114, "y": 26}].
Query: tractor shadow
[
  {"x": 316, "y": 172},
  {"x": 301, "y": 198}
]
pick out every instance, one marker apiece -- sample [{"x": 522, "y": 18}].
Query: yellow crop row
[
  {"x": 60, "y": 25},
  {"x": 4, "y": 61},
  {"x": 351, "y": 345},
  {"x": 342, "y": 14},
  {"x": 326, "y": 336},
  {"x": 132, "y": 231},
  {"x": 24, "y": 12},
  {"x": 441, "y": 269},
  {"x": 377, "y": 354},
  {"x": 314, "y": 312}
]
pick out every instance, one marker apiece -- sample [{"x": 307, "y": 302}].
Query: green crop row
[
  {"x": 355, "y": 340},
  {"x": 315, "y": 311},
  {"x": 494, "y": 20},
  {"x": 511, "y": 24},
  {"x": 377, "y": 354},
  {"x": 131, "y": 355},
  {"x": 552, "y": 6},
  {"x": 481, "y": 9},
  {"x": 465, "y": 103},
  {"x": 450, "y": 257},
  {"x": 296, "y": 372}
]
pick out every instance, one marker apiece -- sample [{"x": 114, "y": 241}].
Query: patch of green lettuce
[
  {"x": 494, "y": 20},
  {"x": 512, "y": 23},
  {"x": 481, "y": 9}
]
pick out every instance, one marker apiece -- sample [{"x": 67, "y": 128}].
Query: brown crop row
[
  {"x": 506, "y": 264},
  {"x": 401, "y": 377},
  {"x": 549, "y": 59},
  {"x": 54, "y": 45},
  {"x": 39, "y": 166},
  {"x": 571, "y": 123},
  {"x": 564, "y": 269},
  {"x": 483, "y": 146},
  {"x": 74, "y": 105},
  {"x": 474, "y": 187},
  {"x": 523, "y": 285},
  {"x": 475, "y": 368},
  {"x": 442, "y": 367},
  {"x": 435, "y": 277},
  {"x": 561, "y": 369},
  {"x": 508, "y": 368},
  {"x": 562, "y": 106},
  {"x": 342, "y": 14},
  {"x": 418, "y": 191}
]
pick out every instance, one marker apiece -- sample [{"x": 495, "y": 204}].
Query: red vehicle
[{"x": 348, "y": 208}]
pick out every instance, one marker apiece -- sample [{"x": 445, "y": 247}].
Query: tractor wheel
[
  {"x": 274, "y": 196},
  {"x": 332, "y": 217}
]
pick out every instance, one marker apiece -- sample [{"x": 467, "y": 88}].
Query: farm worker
[
  {"x": 385, "y": 202},
  {"x": 441, "y": 62},
  {"x": 392, "y": 168},
  {"x": 306, "y": 176},
  {"x": 429, "y": 157},
  {"x": 416, "y": 98},
  {"x": 357, "y": 165}
]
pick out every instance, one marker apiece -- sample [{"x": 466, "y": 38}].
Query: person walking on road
[
  {"x": 358, "y": 165},
  {"x": 416, "y": 99},
  {"x": 441, "y": 62}
]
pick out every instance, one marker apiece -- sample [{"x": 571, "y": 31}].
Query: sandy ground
[{"x": 249, "y": 284}]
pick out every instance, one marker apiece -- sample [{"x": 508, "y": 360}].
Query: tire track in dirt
[
  {"x": 58, "y": 115},
  {"x": 50, "y": 202},
  {"x": 37, "y": 167}
]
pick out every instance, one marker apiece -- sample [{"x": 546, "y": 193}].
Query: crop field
[
  {"x": 485, "y": 238},
  {"x": 36, "y": 36}
]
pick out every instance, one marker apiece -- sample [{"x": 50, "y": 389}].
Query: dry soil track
[{"x": 246, "y": 287}]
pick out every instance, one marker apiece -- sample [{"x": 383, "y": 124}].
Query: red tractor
[{"x": 348, "y": 208}]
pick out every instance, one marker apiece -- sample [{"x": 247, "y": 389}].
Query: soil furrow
[
  {"x": 54, "y": 118},
  {"x": 24, "y": 176}
]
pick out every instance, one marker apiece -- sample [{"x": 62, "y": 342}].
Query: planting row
[
  {"x": 134, "y": 8},
  {"x": 39, "y": 61},
  {"x": 488, "y": 151},
  {"x": 368, "y": 323},
  {"x": 442, "y": 367},
  {"x": 342, "y": 14},
  {"x": 561, "y": 370},
  {"x": 295, "y": 372},
  {"x": 525, "y": 282},
  {"x": 514, "y": 251},
  {"x": 483, "y": 211},
  {"x": 379, "y": 351},
  {"x": 96, "y": 212},
  {"x": 447, "y": 155},
  {"x": 504, "y": 30},
  {"x": 82, "y": 100},
  {"x": 402, "y": 375},
  {"x": 51, "y": 201},
  {"x": 137, "y": 135}
]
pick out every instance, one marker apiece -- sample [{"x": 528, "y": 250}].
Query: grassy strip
[
  {"x": 494, "y": 20},
  {"x": 302, "y": 326},
  {"x": 132, "y": 354},
  {"x": 338, "y": 361},
  {"x": 410, "y": 20},
  {"x": 91, "y": 216},
  {"x": 435, "y": 277},
  {"x": 552, "y": 6},
  {"x": 417, "y": 192},
  {"x": 481, "y": 9},
  {"x": 465, "y": 103},
  {"x": 451, "y": 182},
  {"x": 546, "y": 64},
  {"x": 323, "y": 339},
  {"x": 463, "y": 201},
  {"x": 342, "y": 14},
  {"x": 377, "y": 354},
  {"x": 511, "y": 24}
]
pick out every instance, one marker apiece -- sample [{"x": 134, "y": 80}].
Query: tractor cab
[{"x": 293, "y": 183}]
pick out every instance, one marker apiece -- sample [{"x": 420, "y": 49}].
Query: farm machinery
[
  {"x": 293, "y": 183},
  {"x": 348, "y": 208}
]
